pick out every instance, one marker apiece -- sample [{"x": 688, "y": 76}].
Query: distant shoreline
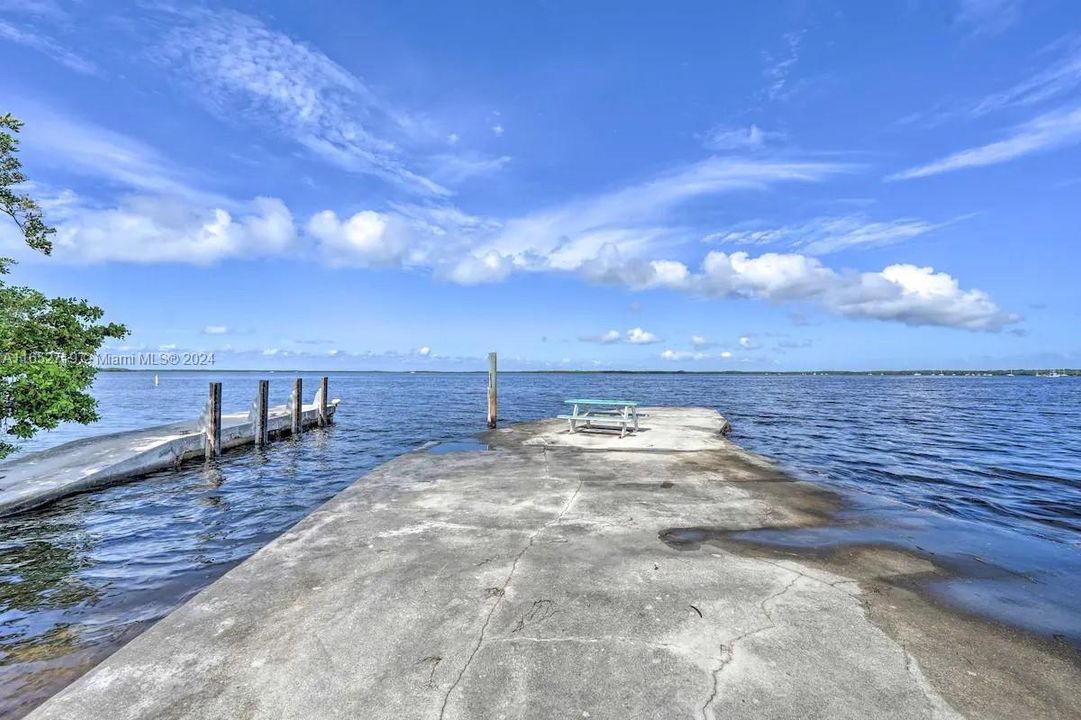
[{"x": 1062, "y": 372}]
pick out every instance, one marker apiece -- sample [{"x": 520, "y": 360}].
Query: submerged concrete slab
[
  {"x": 48, "y": 475},
  {"x": 537, "y": 580}
]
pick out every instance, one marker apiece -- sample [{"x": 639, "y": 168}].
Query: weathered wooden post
[
  {"x": 323, "y": 390},
  {"x": 213, "y": 422},
  {"x": 492, "y": 392},
  {"x": 262, "y": 406},
  {"x": 298, "y": 405}
]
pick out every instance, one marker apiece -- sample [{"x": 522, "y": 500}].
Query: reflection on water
[{"x": 957, "y": 466}]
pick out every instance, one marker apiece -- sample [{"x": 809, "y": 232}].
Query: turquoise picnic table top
[{"x": 589, "y": 401}]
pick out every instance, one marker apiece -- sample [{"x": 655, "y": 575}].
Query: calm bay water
[{"x": 985, "y": 473}]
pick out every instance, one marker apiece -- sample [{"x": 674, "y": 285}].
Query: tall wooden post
[
  {"x": 492, "y": 390},
  {"x": 262, "y": 406},
  {"x": 323, "y": 390},
  {"x": 298, "y": 405},
  {"x": 213, "y": 422}
]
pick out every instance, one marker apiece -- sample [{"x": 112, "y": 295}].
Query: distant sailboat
[{"x": 155, "y": 381}]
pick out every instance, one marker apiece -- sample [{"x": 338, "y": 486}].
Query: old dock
[
  {"x": 48, "y": 475},
  {"x": 553, "y": 576}
]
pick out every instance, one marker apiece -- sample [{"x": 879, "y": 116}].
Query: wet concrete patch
[{"x": 456, "y": 446}]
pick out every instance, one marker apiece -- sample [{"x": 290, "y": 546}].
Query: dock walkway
[
  {"x": 42, "y": 477},
  {"x": 554, "y": 576}
]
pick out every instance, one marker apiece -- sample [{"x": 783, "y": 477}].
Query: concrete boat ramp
[
  {"x": 42, "y": 477},
  {"x": 553, "y": 576}
]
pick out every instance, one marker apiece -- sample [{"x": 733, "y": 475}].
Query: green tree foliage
[{"x": 47, "y": 345}]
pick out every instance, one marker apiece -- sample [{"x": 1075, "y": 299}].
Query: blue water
[{"x": 982, "y": 473}]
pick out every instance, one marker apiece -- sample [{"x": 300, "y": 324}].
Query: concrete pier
[
  {"x": 560, "y": 576},
  {"x": 43, "y": 477}
]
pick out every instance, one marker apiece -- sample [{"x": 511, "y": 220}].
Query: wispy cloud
[
  {"x": 779, "y": 66},
  {"x": 824, "y": 235},
  {"x": 44, "y": 44},
  {"x": 725, "y": 138},
  {"x": 239, "y": 66},
  {"x": 988, "y": 17},
  {"x": 584, "y": 234},
  {"x": 1060, "y": 78},
  {"x": 76, "y": 145},
  {"x": 1049, "y": 131}
]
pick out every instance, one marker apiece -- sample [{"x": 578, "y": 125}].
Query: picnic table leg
[
  {"x": 623, "y": 424},
  {"x": 635, "y": 412},
  {"x": 574, "y": 413}
]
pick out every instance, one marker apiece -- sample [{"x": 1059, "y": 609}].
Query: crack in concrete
[
  {"x": 513, "y": 568},
  {"x": 728, "y": 648}
]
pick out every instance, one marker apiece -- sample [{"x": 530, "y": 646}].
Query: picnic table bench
[{"x": 622, "y": 414}]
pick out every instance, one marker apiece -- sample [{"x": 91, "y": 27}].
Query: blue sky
[{"x": 697, "y": 186}]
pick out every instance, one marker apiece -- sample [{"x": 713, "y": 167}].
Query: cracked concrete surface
[{"x": 532, "y": 581}]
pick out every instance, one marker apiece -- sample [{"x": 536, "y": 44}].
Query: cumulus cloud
[
  {"x": 634, "y": 336},
  {"x": 606, "y": 338},
  {"x": 903, "y": 293},
  {"x": 215, "y": 330},
  {"x": 1049, "y": 131},
  {"x": 638, "y": 336},
  {"x": 365, "y": 239},
  {"x": 474, "y": 269},
  {"x": 144, "y": 229},
  {"x": 683, "y": 355}
]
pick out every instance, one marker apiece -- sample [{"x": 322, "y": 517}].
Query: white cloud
[
  {"x": 829, "y": 234},
  {"x": 216, "y": 330},
  {"x": 79, "y": 146},
  {"x": 47, "y": 46},
  {"x": 638, "y": 336},
  {"x": 902, "y": 293},
  {"x": 143, "y": 229},
  {"x": 239, "y": 66},
  {"x": 473, "y": 269},
  {"x": 699, "y": 341},
  {"x": 455, "y": 169},
  {"x": 1060, "y": 78},
  {"x": 678, "y": 355},
  {"x": 725, "y": 139},
  {"x": 634, "y": 336},
  {"x": 497, "y": 129},
  {"x": 725, "y": 355},
  {"x": 779, "y": 67},
  {"x": 366, "y": 239},
  {"x": 606, "y": 338},
  {"x": 1056, "y": 129},
  {"x": 424, "y": 351},
  {"x": 746, "y": 342},
  {"x": 610, "y": 232}
]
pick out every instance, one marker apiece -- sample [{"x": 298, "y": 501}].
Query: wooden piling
[
  {"x": 262, "y": 407},
  {"x": 213, "y": 422},
  {"x": 323, "y": 391},
  {"x": 298, "y": 405},
  {"x": 492, "y": 391}
]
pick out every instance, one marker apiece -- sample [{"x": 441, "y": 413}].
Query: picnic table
[{"x": 622, "y": 414}]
